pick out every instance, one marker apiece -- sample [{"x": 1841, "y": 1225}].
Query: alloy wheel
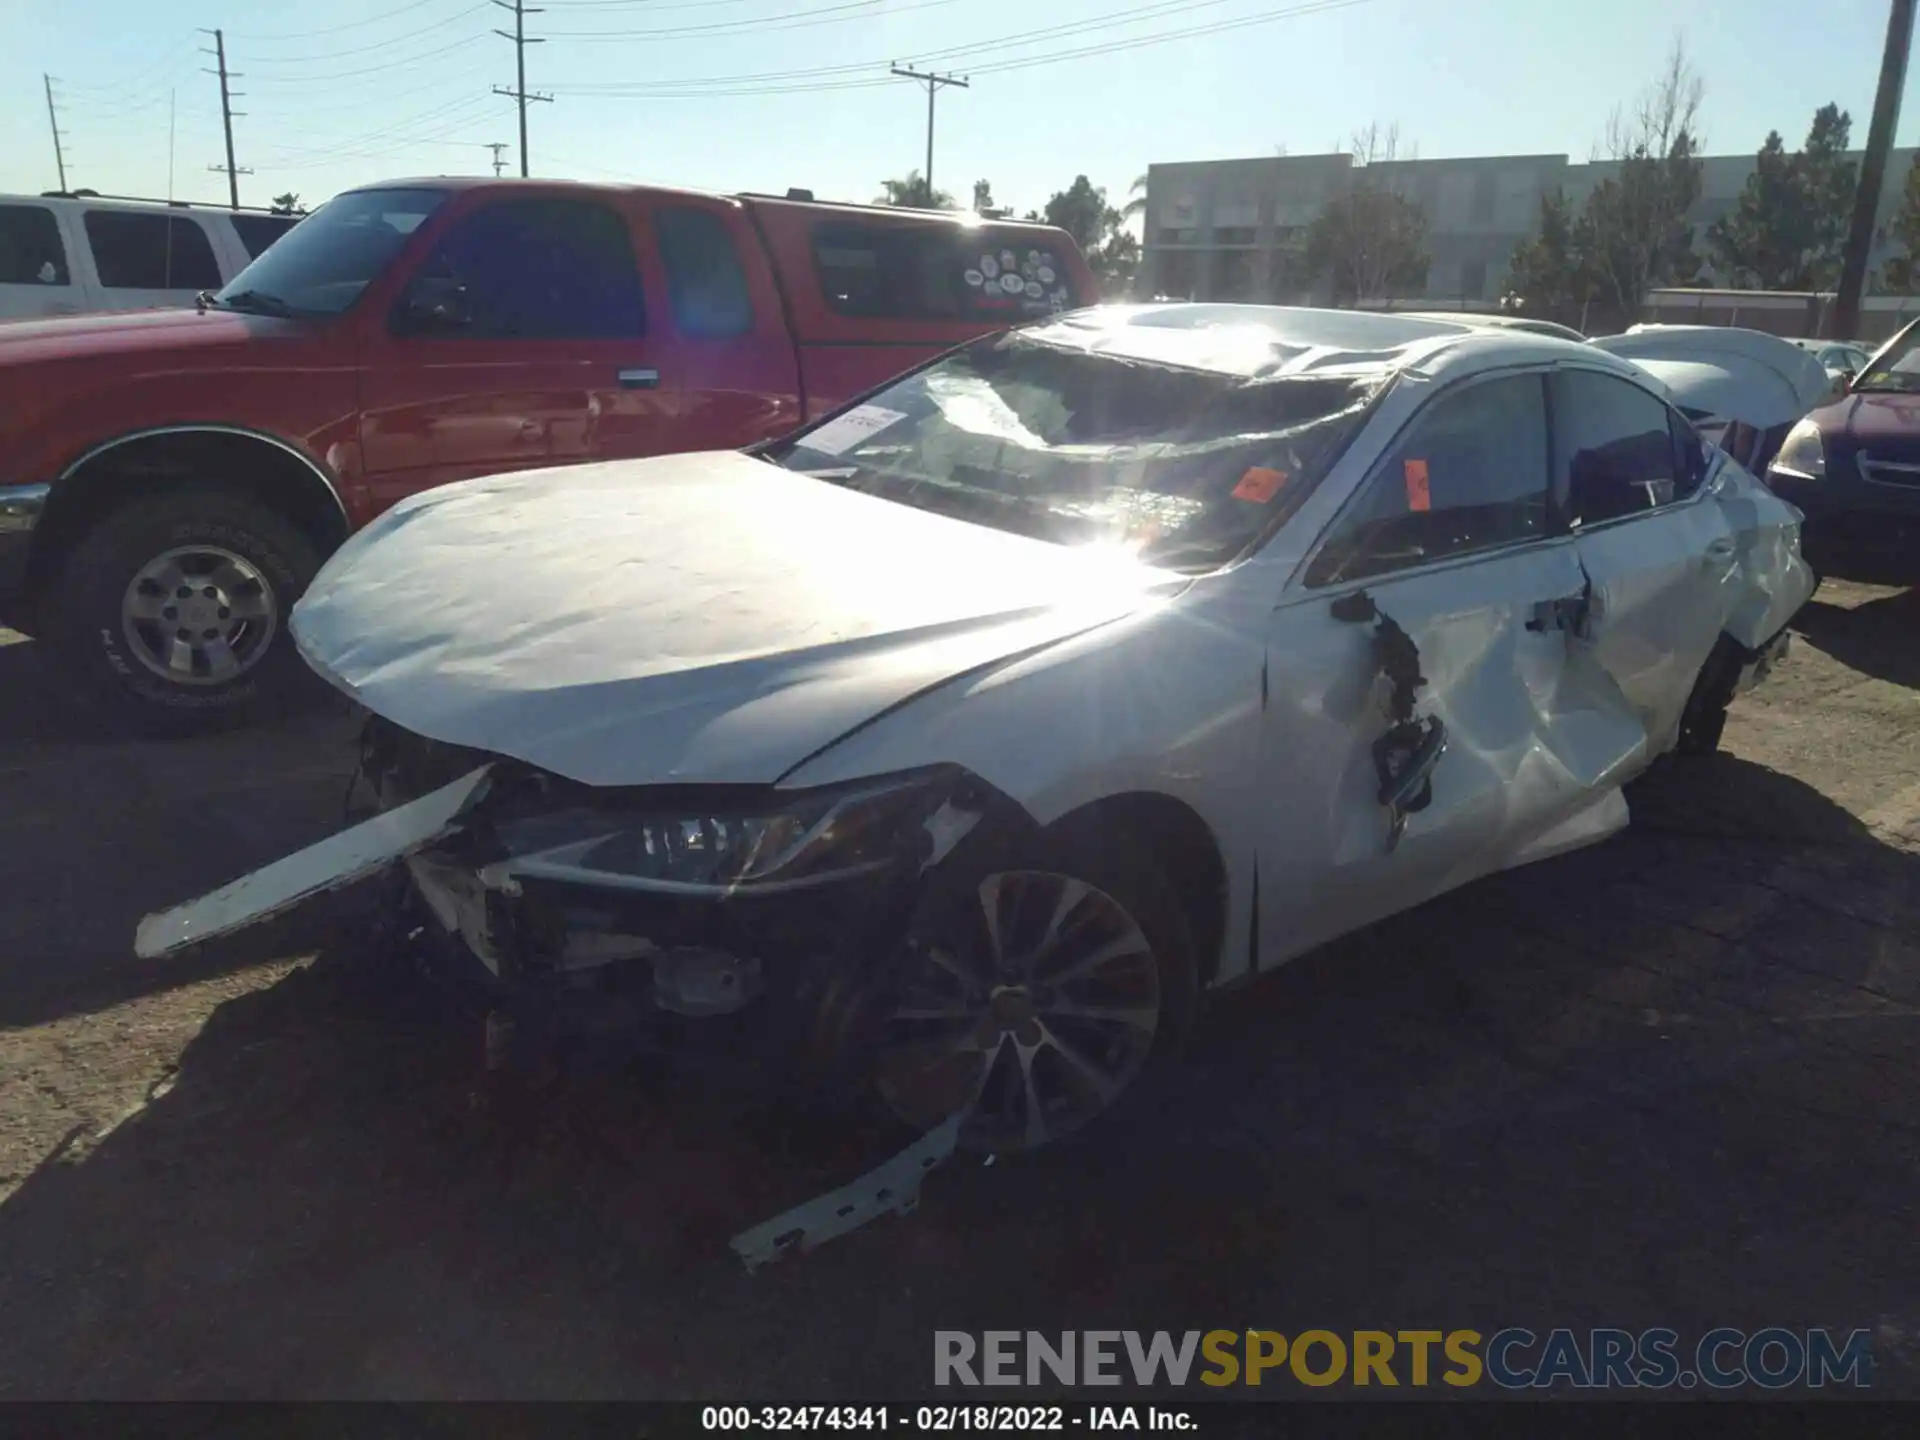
[
  {"x": 199, "y": 615},
  {"x": 1031, "y": 1009}
]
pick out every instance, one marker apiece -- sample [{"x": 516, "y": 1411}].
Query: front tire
[
  {"x": 1034, "y": 994},
  {"x": 170, "y": 616}
]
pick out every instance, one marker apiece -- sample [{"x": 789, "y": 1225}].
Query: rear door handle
[
  {"x": 1721, "y": 549},
  {"x": 1562, "y": 613},
  {"x": 640, "y": 378}
]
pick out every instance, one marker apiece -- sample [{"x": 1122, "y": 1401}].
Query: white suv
[{"x": 72, "y": 254}]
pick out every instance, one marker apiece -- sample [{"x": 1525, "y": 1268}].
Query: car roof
[
  {"x": 1269, "y": 341},
  {"x": 1504, "y": 322}
]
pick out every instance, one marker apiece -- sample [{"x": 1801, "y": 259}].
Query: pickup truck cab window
[
  {"x": 536, "y": 269},
  {"x": 705, "y": 279},
  {"x": 321, "y": 265},
  {"x": 135, "y": 251}
]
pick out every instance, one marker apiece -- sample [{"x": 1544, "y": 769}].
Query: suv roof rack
[{"x": 85, "y": 194}]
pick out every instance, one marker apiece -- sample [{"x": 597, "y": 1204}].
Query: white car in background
[
  {"x": 965, "y": 738},
  {"x": 81, "y": 253}
]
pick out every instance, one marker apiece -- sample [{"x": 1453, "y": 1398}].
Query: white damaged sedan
[{"x": 962, "y": 741}]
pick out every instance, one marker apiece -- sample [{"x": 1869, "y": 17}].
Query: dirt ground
[{"x": 1670, "y": 1080}]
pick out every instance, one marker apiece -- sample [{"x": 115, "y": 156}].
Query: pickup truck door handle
[
  {"x": 640, "y": 378},
  {"x": 1721, "y": 549}
]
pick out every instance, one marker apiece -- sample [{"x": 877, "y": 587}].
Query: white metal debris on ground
[{"x": 890, "y": 1188}]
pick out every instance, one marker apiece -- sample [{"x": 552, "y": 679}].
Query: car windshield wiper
[{"x": 252, "y": 302}]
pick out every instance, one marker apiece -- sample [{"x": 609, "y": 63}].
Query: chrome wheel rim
[
  {"x": 199, "y": 615},
  {"x": 1031, "y": 1010}
]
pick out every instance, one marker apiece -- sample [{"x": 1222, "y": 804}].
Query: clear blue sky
[{"x": 340, "y": 92}]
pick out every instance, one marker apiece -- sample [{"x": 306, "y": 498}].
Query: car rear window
[
  {"x": 132, "y": 251},
  {"x": 938, "y": 273},
  {"x": 257, "y": 232},
  {"x": 705, "y": 279},
  {"x": 30, "y": 248}
]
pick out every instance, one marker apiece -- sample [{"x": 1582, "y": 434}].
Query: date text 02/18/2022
[{"x": 942, "y": 1419}]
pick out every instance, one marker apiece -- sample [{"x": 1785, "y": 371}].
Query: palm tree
[
  {"x": 911, "y": 193},
  {"x": 1136, "y": 199}
]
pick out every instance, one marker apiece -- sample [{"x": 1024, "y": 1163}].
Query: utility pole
[
  {"x": 227, "y": 112},
  {"x": 1844, "y": 321},
  {"x": 499, "y": 149},
  {"x": 519, "y": 92},
  {"x": 933, "y": 83},
  {"x": 53, "y": 119}
]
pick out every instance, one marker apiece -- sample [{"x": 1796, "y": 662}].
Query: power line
[
  {"x": 402, "y": 63},
  {"x": 858, "y": 75},
  {"x": 758, "y": 25},
  {"x": 519, "y": 93},
  {"x": 227, "y": 97},
  {"x": 53, "y": 122},
  {"x": 336, "y": 29},
  {"x": 934, "y": 84},
  {"x": 387, "y": 44}
]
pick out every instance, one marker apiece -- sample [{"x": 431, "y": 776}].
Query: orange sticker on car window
[
  {"x": 1419, "y": 497},
  {"x": 1259, "y": 484}
]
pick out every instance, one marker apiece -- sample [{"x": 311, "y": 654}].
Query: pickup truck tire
[{"x": 170, "y": 615}]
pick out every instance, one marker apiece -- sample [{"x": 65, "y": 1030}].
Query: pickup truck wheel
[{"x": 171, "y": 614}]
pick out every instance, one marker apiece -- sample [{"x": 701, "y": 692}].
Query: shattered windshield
[{"x": 1188, "y": 468}]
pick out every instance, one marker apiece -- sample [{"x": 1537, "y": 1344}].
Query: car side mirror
[
  {"x": 1847, "y": 377},
  {"x": 433, "y": 306}
]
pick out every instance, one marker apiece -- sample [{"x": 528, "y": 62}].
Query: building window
[
  {"x": 1170, "y": 236},
  {"x": 1233, "y": 275},
  {"x": 1234, "y": 235}
]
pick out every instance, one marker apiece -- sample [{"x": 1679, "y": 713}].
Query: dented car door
[
  {"x": 1661, "y": 559},
  {"x": 1432, "y": 714}
]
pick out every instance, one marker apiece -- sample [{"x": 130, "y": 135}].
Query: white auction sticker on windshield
[{"x": 842, "y": 433}]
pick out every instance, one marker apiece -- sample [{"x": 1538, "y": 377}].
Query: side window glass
[
  {"x": 257, "y": 232},
  {"x": 1616, "y": 446},
  {"x": 1470, "y": 473},
  {"x": 133, "y": 251},
  {"x": 528, "y": 270},
  {"x": 30, "y": 248},
  {"x": 705, "y": 280}
]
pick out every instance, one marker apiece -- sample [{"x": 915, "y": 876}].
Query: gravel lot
[{"x": 1667, "y": 1081}]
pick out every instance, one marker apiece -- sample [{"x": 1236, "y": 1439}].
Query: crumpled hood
[
  {"x": 692, "y": 618},
  {"x": 1726, "y": 373}
]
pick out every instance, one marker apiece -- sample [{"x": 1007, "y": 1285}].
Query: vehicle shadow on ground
[
  {"x": 1617, "y": 1088},
  {"x": 93, "y": 836},
  {"x": 1878, "y": 637}
]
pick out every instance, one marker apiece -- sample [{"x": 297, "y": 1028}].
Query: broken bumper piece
[{"x": 336, "y": 861}]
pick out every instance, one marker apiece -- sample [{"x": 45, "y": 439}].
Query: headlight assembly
[
  {"x": 695, "y": 848},
  {"x": 1803, "y": 453}
]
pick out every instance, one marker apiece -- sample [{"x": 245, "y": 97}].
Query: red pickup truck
[{"x": 171, "y": 480}]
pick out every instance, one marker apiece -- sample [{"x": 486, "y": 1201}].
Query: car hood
[
  {"x": 692, "y": 618},
  {"x": 1881, "y": 419},
  {"x": 73, "y": 337},
  {"x": 1727, "y": 374}
]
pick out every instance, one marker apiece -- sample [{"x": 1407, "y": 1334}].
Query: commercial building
[{"x": 1218, "y": 229}]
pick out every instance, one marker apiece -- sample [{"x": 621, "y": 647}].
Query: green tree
[
  {"x": 1636, "y": 218},
  {"x": 1097, "y": 228},
  {"x": 1550, "y": 273},
  {"x": 1370, "y": 242},
  {"x": 1901, "y": 275},
  {"x": 288, "y": 204},
  {"x": 983, "y": 197},
  {"x": 912, "y": 193},
  {"x": 1790, "y": 227}
]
